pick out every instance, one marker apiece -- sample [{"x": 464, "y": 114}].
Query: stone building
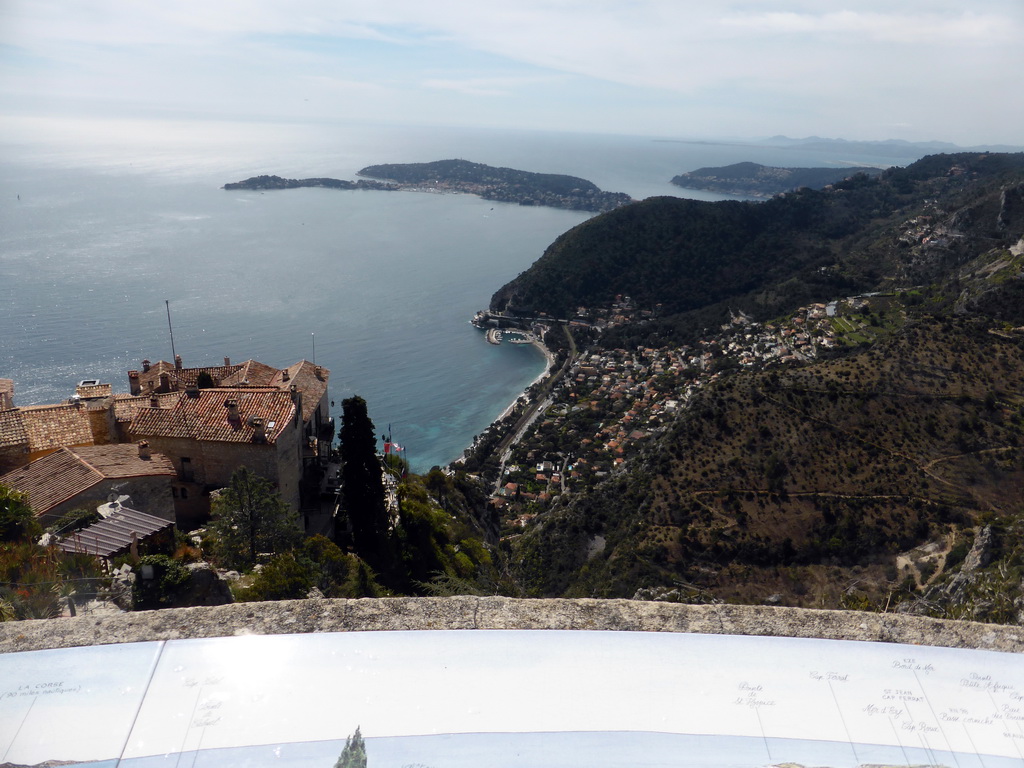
[
  {"x": 208, "y": 434},
  {"x": 86, "y": 476},
  {"x": 309, "y": 380},
  {"x": 279, "y": 426}
]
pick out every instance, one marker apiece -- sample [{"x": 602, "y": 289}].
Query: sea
[{"x": 118, "y": 243}]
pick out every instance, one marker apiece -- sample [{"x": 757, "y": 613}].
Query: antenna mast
[{"x": 167, "y": 303}]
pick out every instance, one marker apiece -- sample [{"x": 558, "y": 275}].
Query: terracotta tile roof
[
  {"x": 114, "y": 534},
  {"x": 52, "y": 479},
  {"x": 121, "y": 460},
  {"x": 205, "y": 416},
  {"x": 183, "y": 377},
  {"x": 125, "y": 406},
  {"x": 55, "y": 426},
  {"x": 12, "y": 429},
  {"x": 59, "y": 476},
  {"x": 303, "y": 375},
  {"x": 252, "y": 373}
]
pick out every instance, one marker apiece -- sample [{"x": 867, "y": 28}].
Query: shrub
[
  {"x": 17, "y": 520},
  {"x": 284, "y": 577},
  {"x": 75, "y": 520},
  {"x": 169, "y": 580}
]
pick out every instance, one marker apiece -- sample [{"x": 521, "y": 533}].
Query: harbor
[{"x": 515, "y": 336}]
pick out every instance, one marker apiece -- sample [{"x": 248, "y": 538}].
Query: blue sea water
[{"x": 102, "y": 222}]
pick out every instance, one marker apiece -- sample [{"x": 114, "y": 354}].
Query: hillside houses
[{"x": 612, "y": 400}]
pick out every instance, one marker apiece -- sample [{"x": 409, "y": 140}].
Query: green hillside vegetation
[
  {"x": 805, "y": 482},
  {"x": 762, "y": 180},
  {"x": 442, "y": 546},
  {"x": 467, "y": 172},
  {"x": 682, "y": 257}
]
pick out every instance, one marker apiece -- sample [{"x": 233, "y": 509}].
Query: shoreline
[{"x": 549, "y": 359}]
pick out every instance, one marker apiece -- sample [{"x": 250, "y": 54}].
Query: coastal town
[{"x": 601, "y": 407}]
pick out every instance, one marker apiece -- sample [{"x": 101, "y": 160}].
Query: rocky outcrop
[
  {"x": 979, "y": 556},
  {"x": 206, "y": 587},
  {"x": 1011, "y": 208}
]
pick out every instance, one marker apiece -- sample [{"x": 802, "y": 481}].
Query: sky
[{"x": 918, "y": 70}]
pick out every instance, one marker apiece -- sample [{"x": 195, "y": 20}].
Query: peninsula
[
  {"x": 276, "y": 182},
  {"x": 505, "y": 185},
  {"x": 755, "y": 180}
]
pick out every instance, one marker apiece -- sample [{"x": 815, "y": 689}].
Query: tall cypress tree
[
  {"x": 362, "y": 490},
  {"x": 354, "y": 753}
]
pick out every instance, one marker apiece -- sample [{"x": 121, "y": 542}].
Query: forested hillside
[{"x": 680, "y": 256}]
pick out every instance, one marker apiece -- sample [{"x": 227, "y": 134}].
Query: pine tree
[
  {"x": 250, "y": 518},
  {"x": 354, "y": 753}
]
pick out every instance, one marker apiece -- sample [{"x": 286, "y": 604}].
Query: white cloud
[
  {"x": 964, "y": 28},
  {"x": 888, "y": 62}
]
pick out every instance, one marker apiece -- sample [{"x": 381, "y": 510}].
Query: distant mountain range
[{"x": 897, "y": 147}]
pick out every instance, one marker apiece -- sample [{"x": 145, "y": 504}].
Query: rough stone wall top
[{"x": 404, "y": 613}]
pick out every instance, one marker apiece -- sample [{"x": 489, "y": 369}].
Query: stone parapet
[{"x": 408, "y": 613}]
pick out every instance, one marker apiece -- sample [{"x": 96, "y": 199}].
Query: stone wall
[{"x": 403, "y": 613}]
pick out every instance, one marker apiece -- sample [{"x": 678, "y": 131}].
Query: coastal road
[{"x": 535, "y": 407}]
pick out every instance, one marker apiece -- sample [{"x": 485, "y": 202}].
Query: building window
[
  {"x": 174, "y": 491},
  {"x": 186, "y": 469}
]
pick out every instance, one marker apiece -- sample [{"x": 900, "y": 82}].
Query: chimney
[
  {"x": 165, "y": 382},
  {"x": 285, "y": 375},
  {"x": 154, "y": 401},
  {"x": 133, "y": 383},
  {"x": 145, "y": 366},
  {"x": 177, "y": 362},
  {"x": 143, "y": 449},
  {"x": 232, "y": 405},
  {"x": 227, "y": 361},
  {"x": 259, "y": 427},
  {"x": 319, "y": 372},
  {"x": 294, "y": 392},
  {"x": 192, "y": 390}
]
